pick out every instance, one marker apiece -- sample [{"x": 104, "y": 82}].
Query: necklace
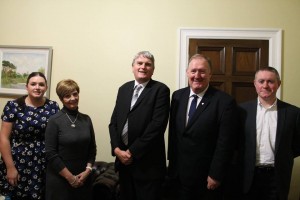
[{"x": 72, "y": 122}]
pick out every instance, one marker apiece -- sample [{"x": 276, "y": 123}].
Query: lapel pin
[{"x": 202, "y": 104}]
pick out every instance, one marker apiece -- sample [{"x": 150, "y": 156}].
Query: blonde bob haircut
[{"x": 65, "y": 87}]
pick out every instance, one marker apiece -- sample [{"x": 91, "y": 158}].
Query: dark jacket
[
  {"x": 147, "y": 121},
  {"x": 205, "y": 146},
  {"x": 286, "y": 146}
]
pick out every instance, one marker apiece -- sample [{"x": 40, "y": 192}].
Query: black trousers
[
  {"x": 195, "y": 191},
  {"x": 264, "y": 185},
  {"x": 199, "y": 194},
  {"x": 132, "y": 189}
]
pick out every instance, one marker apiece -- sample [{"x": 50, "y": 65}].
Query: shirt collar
[
  {"x": 201, "y": 94},
  {"x": 142, "y": 84},
  {"x": 274, "y": 105}
]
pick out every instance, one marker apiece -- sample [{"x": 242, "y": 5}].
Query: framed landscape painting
[{"x": 18, "y": 62}]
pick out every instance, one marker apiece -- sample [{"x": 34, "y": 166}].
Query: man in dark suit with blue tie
[
  {"x": 271, "y": 140},
  {"x": 201, "y": 141},
  {"x": 137, "y": 129}
]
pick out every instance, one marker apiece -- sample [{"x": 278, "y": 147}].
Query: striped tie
[{"x": 135, "y": 96}]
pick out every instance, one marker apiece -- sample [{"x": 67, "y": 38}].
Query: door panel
[{"x": 234, "y": 63}]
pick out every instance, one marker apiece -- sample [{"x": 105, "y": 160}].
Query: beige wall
[{"x": 94, "y": 41}]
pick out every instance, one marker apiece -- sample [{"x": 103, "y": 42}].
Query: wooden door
[{"x": 234, "y": 63}]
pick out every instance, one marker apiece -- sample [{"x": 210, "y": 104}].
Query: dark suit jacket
[
  {"x": 205, "y": 146},
  {"x": 287, "y": 144},
  {"x": 147, "y": 122}
]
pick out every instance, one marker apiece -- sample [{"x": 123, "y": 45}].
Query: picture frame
[{"x": 17, "y": 62}]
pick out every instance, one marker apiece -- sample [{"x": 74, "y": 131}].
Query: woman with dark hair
[
  {"x": 22, "y": 141},
  {"x": 70, "y": 148}
]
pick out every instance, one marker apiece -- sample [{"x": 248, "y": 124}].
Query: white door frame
[{"x": 273, "y": 35}]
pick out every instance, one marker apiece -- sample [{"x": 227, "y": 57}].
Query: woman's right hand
[
  {"x": 72, "y": 179},
  {"x": 12, "y": 176},
  {"x": 74, "y": 182}
]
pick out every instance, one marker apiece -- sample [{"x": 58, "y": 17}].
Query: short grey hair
[
  {"x": 145, "y": 54},
  {"x": 201, "y": 56}
]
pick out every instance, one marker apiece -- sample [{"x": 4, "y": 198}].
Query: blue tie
[{"x": 193, "y": 107}]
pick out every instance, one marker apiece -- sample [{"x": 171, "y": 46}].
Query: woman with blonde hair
[{"x": 70, "y": 148}]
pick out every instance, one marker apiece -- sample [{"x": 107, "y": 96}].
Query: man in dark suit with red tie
[
  {"x": 271, "y": 140},
  {"x": 137, "y": 129},
  {"x": 201, "y": 144}
]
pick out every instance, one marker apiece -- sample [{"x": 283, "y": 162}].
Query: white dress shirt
[{"x": 266, "y": 126}]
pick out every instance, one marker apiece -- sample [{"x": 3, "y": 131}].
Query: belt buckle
[{"x": 265, "y": 168}]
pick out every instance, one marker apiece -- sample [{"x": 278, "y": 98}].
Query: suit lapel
[
  {"x": 128, "y": 95},
  {"x": 251, "y": 124},
  {"x": 182, "y": 108},
  {"x": 281, "y": 112}
]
